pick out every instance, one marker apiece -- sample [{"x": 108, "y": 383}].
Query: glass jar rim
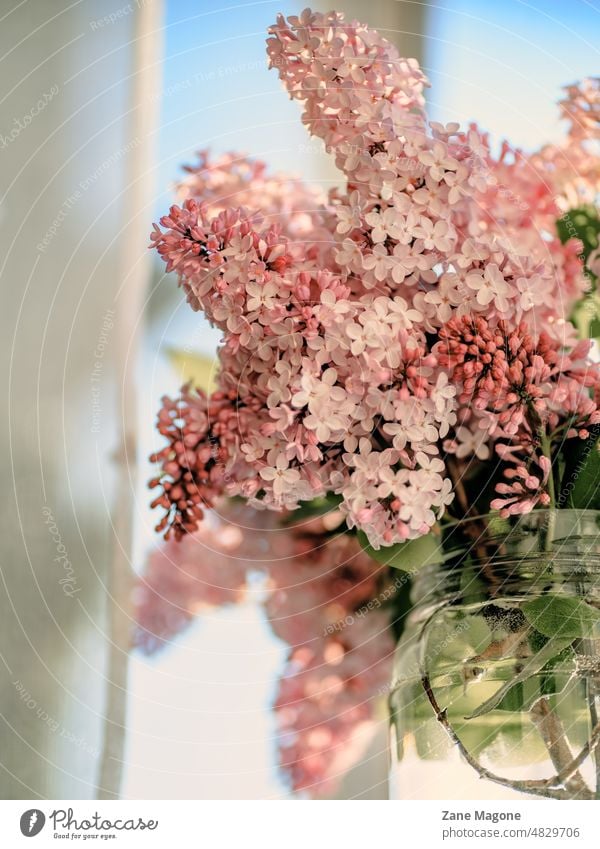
[
  {"x": 557, "y": 546},
  {"x": 498, "y": 527}
]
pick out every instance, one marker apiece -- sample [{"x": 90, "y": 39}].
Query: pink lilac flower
[
  {"x": 199, "y": 432},
  {"x": 469, "y": 443},
  {"x": 183, "y": 578},
  {"x": 581, "y": 108},
  {"x": 360, "y": 331},
  {"x": 525, "y": 389},
  {"x": 322, "y": 595},
  {"x": 375, "y": 342},
  {"x": 512, "y": 376},
  {"x": 326, "y": 697},
  {"x": 527, "y": 487}
]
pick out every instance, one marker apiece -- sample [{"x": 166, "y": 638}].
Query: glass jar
[{"x": 496, "y": 685}]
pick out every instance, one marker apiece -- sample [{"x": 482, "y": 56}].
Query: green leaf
[
  {"x": 194, "y": 367},
  {"x": 536, "y": 640},
  {"x": 586, "y": 313},
  {"x": 410, "y": 556},
  {"x": 497, "y": 526},
  {"x": 580, "y": 486},
  {"x": 514, "y": 700},
  {"x": 582, "y": 223},
  {"x": 315, "y": 507},
  {"x": 594, "y": 329},
  {"x": 522, "y": 696},
  {"x": 531, "y": 667},
  {"x": 562, "y": 616}
]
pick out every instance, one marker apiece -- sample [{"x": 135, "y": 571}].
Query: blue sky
[
  {"x": 217, "y": 90},
  {"x": 505, "y": 62}
]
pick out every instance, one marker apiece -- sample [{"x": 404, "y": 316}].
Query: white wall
[{"x": 66, "y": 157}]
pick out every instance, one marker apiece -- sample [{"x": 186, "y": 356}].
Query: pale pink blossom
[
  {"x": 424, "y": 307},
  {"x": 490, "y": 287},
  {"x": 283, "y": 478}
]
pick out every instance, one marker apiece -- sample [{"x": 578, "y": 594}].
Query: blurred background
[{"x": 101, "y": 104}]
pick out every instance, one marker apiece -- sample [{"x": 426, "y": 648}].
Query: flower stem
[
  {"x": 552, "y": 788},
  {"x": 548, "y": 533},
  {"x": 547, "y": 450},
  {"x": 553, "y": 734}
]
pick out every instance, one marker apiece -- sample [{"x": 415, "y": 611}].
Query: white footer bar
[{"x": 299, "y": 825}]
